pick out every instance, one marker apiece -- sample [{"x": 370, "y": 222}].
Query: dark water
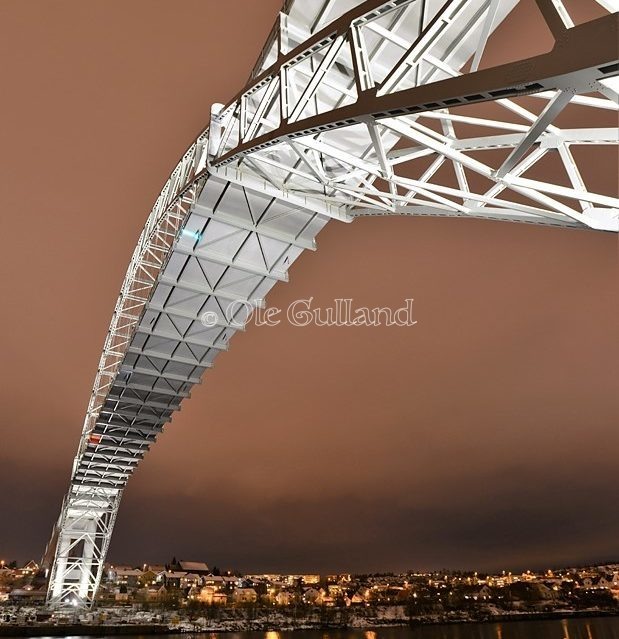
[{"x": 594, "y": 628}]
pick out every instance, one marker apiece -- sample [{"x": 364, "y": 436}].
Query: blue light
[{"x": 196, "y": 235}]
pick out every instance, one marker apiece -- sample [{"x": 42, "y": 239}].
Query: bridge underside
[
  {"x": 235, "y": 244},
  {"x": 353, "y": 109}
]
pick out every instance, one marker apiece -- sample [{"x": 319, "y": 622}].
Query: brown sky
[{"x": 486, "y": 435}]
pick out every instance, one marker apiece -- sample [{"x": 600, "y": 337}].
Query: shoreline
[{"x": 103, "y": 630}]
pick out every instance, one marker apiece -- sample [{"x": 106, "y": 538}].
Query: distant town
[{"x": 192, "y": 596}]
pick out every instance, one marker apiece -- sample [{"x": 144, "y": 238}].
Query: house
[
  {"x": 197, "y": 567},
  {"x": 27, "y": 595},
  {"x": 127, "y": 577},
  {"x": 284, "y": 598},
  {"x": 211, "y": 595},
  {"x": 357, "y": 599},
  {"x": 484, "y": 593},
  {"x": 610, "y": 581},
  {"x": 121, "y": 594},
  {"x": 31, "y": 568},
  {"x": 214, "y": 580},
  {"x": 170, "y": 578},
  {"x": 148, "y": 577},
  {"x": 232, "y": 581},
  {"x": 339, "y": 579},
  {"x": 156, "y": 568},
  {"x": 151, "y": 593},
  {"x": 589, "y": 582},
  {"x": 191, "y": 579},
  {"x": 614, "y": 584},
  {"x": 156, "y": 593},
  {"x": 112, "y": 571},
  {"x": 313, "y": 596},
  {"x": 245, "y": 595},
  {"x": 335, "y": 590}
]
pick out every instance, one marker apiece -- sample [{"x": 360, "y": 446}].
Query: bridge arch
[{"x": 338, "y": 114}]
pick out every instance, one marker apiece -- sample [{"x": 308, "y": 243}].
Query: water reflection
[
  {"x": 597, "y": 628},
  {"x": 592, "y": 628}
]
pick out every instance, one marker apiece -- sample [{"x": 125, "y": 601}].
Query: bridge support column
[{"x": 84, "y": 532}]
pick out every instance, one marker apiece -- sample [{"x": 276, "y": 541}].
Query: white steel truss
[
  {"x": 349, "y": 112},
  {"x": 331, "y": 116}
]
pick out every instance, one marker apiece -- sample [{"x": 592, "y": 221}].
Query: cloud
[{"x": 513, "y": 520}]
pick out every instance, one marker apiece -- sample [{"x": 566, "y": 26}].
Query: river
[
  {"x": 593, "y": 628},
  {"x": 587, "y": 628},
  {"x": 590, "y": 628}
]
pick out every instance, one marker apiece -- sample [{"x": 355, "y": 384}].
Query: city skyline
[
  {"x": 190, "y": 594},
  {"x": 486, "y": 429}
]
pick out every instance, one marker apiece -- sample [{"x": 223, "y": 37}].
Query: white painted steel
[{"x": 240, "y": 207}]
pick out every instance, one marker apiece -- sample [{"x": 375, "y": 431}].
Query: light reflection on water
[{"x": 593, "y": 628}]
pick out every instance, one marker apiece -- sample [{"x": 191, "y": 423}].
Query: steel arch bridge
[{"x": 354, "y": 108}]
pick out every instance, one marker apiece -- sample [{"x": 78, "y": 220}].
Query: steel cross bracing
[
  {"x": 349, "y": 112},
  {"x": 107, "y": 453},
  {"x": 353, "y": 111}
]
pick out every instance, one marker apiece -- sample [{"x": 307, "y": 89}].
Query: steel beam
[{"x": 585, "y": 53}]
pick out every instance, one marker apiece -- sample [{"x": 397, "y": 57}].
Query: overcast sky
[{"x": 484, "y": 436}]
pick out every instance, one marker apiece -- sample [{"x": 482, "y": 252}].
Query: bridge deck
[{"x": 280, "y": 160}]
